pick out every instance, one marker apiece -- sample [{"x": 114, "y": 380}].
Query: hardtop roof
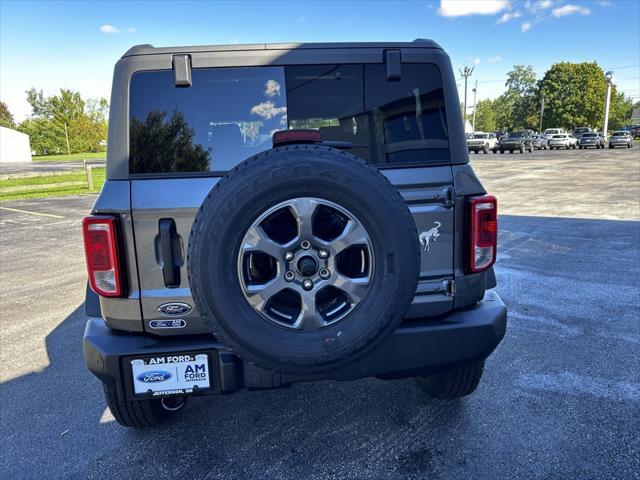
[{"x": 147, "y": 49}]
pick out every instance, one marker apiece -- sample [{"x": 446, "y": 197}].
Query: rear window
[
  {"x": 560, "y": 136},
  {"x": 588, "y": 135},
  {"x": 619, "y": 134},
  {"x": 229, "y": 114}
]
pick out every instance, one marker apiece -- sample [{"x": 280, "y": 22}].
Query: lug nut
[
  {"x": 288, "y": 256},
  {"x": 289, "y": 276},
  {"x": 307, "y": 284},
  {"x": 324, "y": 273},
  {"x": 305, "y": 245},
  {"x": 323, "y": 253}
]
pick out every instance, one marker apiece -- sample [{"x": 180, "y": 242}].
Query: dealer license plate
[{"x": 171, "y": 374}]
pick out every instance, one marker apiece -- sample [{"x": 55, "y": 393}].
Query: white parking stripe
[{"x": 31, "y": 213}]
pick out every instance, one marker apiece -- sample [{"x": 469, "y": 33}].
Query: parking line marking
[{"x": 31, "y": 213}]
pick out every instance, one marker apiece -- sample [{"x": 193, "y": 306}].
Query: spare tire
[{"x": 303, "y": 259}]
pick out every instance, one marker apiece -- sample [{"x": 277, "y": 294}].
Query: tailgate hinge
[
  {"x": 449, "y": 196},
  {"x": 450, "y": 287}
]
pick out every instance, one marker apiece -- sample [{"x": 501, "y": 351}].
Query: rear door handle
[{"x": 170, "y": 251}]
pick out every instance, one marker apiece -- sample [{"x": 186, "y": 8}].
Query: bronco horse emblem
[{"x": 427, "y": 235}]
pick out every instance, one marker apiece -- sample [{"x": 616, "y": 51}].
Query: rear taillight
[
  {"x": 101, "y": 249},
  {"x": 483, "y": 238}
]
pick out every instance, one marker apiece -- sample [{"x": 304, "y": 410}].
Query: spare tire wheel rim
[{"x": 305, "y": 264}]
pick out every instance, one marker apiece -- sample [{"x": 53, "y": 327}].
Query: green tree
[
  {"x": 573, "y": 95},
  {"x": 84, "y": 122},
  {"x": 503, "y": 111},
  {"x": 159, "y": 146},
  {"x": 6, "y": 119},
  {"x": 42, "y": 138},
  {"x": 485, "y": 116},
  {"x": 620, "y": 109},
  {"x": 521, "y": 96}
]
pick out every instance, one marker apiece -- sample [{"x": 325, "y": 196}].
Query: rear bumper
[{"x": 418, "y": 347}]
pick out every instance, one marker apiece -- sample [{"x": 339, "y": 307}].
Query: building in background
[{"x": 14, "y": 146}]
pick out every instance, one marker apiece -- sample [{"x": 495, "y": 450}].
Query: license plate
[{"x": 170, "y": 374}]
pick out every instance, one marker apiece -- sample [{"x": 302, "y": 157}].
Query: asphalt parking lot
[{"x": 560, "y": 397}]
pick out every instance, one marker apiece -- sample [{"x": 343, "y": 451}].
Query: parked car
[
  {"x": 621, "y": 138},
  {"x": 591, "y": 139},
  {"x": 562, "y": 140},
  {"x": 550, "y": 132},
  {"x": 283, "y": 239},
  {"x": 519, "y": 141},
  {"x": 573, "y": 141},
  {"x": 579, "y": 131},
  {"x": 540, "y": 142},
  {"x": 481, "y": 141}
]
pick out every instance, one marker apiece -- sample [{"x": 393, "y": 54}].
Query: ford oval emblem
[
  {"x": 174, "y": 309},
  {"x": 154, "y": 376}
]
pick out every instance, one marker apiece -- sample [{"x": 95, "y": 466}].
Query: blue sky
[{"x": 49, "y": 45}]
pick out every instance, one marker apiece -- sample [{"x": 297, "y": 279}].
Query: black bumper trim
[{"x": 418, "y": 347}]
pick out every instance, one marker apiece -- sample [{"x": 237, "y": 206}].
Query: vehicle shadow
[{"x": 55, "y": 425}]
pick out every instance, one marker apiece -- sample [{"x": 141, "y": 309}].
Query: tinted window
[
  {"x": 329, "y": 98},
  {"x": 229, "y": 114},
  {"x": 588, "y": 135},
  {"x": 407, "y": 116},
  {"x": 225, "y": 116},
  {"x": 516, "y": 135},
  {"x": 619, "y": 134}
]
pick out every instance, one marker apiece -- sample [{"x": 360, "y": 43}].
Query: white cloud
[
  {"x": 108, "y": 28},
  {"x": 509, "y": 16},
  {"x": 477, "y": 61},
  {"x": 538, "y": 5},
  {"x": 570, "y": 9},
  {"x": 267, "y": 110},
  {"x": 271, "y": 88},
  {"x": 460, "y": 8},
  {"x": 494, "y": 59},
  {"x": 525, "y": 26},
  {"x": 604, "y": 3}
]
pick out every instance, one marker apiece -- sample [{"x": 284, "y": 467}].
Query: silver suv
[{"x": 283, "y": 213}]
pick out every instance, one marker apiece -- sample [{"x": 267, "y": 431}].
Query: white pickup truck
[{"x": 478, "y": 141}]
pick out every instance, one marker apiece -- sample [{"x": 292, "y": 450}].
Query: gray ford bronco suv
[{"x": 283, "y": 213}]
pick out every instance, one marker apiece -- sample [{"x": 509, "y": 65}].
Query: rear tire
[
  {"x": 454, "y": 383},
  {"x": 278, "y": 177},
  {"x": 142, "y": 413}
]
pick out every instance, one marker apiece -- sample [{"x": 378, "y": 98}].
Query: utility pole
[
  {"x": 66, "y": 135},
  {"x": 475, "y": 95},
  {"x": 466, "y": 73},
  {"x": 541, "y": 113},
  {"x": 608, "y": 77}
]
